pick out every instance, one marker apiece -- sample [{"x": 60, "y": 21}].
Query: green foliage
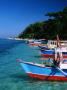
[{"x": 57, "y": 24}]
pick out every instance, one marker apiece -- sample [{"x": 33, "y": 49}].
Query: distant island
[{"x": 56, "y": 24}]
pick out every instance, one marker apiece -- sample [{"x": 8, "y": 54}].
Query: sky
[{"x": 16, "y": 15}]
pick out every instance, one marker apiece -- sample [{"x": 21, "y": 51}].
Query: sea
[{"x": 12, "y": 76}]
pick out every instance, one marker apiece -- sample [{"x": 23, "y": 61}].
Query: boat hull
[
  {"x": 43, "y": 47},
  {"x": 34, "y": 44},
  {"x": 51, "y": 54},
  {"x": 48, "y": 78},
  {"x": 43, "y": 72}
]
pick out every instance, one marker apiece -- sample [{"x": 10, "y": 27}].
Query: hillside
[{"x": 56, "y": 24}]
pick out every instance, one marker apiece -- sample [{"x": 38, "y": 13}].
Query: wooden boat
[
  {"x": 42, "y": 72},
  {"x": 35, "y": 43},
  {"x": 38, "y": 42},
  {"x": 53, "y": 43},
  {"x": 56, "y": 72},
  {"x": 51, "y": 52},
  {"x": 47, "y": 53},
  {"x": 41, "y": 47}
]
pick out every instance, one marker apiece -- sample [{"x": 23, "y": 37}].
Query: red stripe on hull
[
  {"x": 64, "y": 56},
  {"x": 32, "y": 44},
  {"x": 51, "y": 56},
  {"x": 51, "y": 78},
  {"x": 47, "y": 55}
]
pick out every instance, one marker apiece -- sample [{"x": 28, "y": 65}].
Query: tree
[{"x": 56, "y": 24}]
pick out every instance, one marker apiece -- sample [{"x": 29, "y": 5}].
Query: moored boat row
[{"x": 57, "y": 71}]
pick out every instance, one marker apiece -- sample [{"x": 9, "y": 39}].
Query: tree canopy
[{"x": 56, "y": 24}]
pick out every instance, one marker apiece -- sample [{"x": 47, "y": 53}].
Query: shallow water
[{"x": 12, "y": 77}]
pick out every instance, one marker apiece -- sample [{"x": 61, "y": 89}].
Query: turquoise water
[{"x": 12, "y": 77}]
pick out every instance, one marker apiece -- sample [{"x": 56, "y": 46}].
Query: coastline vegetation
[{"x": 56, "y": 24}]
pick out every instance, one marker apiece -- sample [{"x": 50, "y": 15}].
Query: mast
[
  {"x": 58, "y": 53},
  {"x": 58, "y": 42}
]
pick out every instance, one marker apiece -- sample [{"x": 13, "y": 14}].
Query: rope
[{"x": 65, "y": 74}]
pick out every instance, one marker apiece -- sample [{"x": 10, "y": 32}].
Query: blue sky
[{"x": 16, "y": 15}]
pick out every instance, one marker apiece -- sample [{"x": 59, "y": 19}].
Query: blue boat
[
  {"x": 43, "y": 47},
  {"x": 42, "y": 72},
  {"x": 51, "y": 52},
  {"x": 56, "y": 72}
]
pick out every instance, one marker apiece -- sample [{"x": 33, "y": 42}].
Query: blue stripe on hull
[
  {"x": 51, "y": 52},
  {"x": 48, "y": 71},
  {"x": 48, "y": 52}
]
